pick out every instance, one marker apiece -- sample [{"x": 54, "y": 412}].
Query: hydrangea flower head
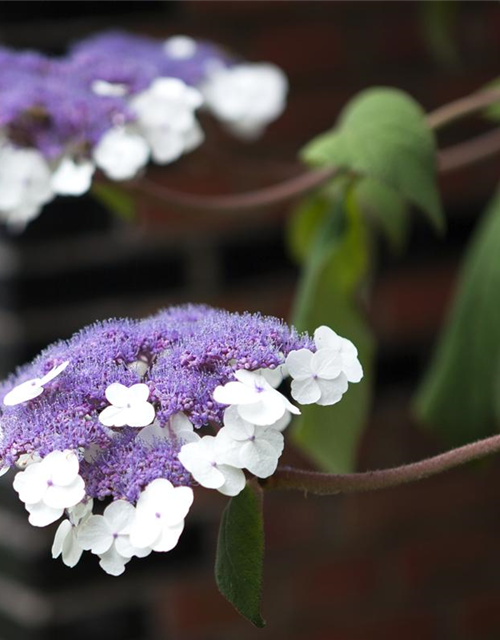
[{"x": 138, "y": 412}]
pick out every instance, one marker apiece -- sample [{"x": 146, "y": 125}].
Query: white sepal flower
[
  {"x": 32, "y": 388},
  {"x": 203, "y": 461},
  {"x": 121, "y": 153},
  {"x": 50, "y": 486},
  {"x": 180, "y": 47},
  {"x": 248, "y": 446},
  {"x": 246, "y": 97},
  {"x": 129, "y": 406},
  {"x": 255, "y": 398},
  {"x": 108, "y": 536},
  {"x": 165, "y": 117},
  {"x": 326, "y": 338},
  {"x": 4, "y": 469},
  {"x": 66, "y": 538},
  {"x": 317, "y": 377},
  {"x": 72, "y": 178},
  {"x": 159, "y": 517},
  {"x": 179, "y": 426}
]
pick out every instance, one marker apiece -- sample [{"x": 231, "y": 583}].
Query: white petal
[
  {"x": 177, "y": 506},
  {"x": 275, "y": 376},
  {"x": 234, "y": 481},
  {"x": 234, "y": 393},
  {"x": 261, "y": 456},
  {"x": 112, "y": 562},
  {"x": 138, "y": 393},
  {"x": 268, "y": 410},
  {"x": 67, "y": 496},
  {"x": 182, "y": 428},
  {"x": 113, "y": 416},
  {"x": 283, "y": 422},
  {"x": 352, "y": 369},
  {"x": 152, "y": 432},
  {"x": 80, "y": 511},
  {"x": 62, "y": 532},
  {"x": 306, "y": 391},
  {"x": 145, "y": 529},
  {"x": 140, "y": 415},
  {"x": 166, "y": 145},
  {"x": 31, "y": 484},
  {"x": 41, "y": 515},
  {"x": 332, "y": 390},
  {"x": 62, "y": 467},
  {"x": 326, "y": 338},
  {"x": 95, "y": 535},
  {"x": 169, "y": 537},
  {"x": 72, "y": 178},
  {"x": 72, "y": 551},
  {"x": 109, "y": 89},
  {"x": 53, "y": 373},
  {"x": 119, "y": 514},
  {"x": 118, "y": 395},
  {"x": 327, "y": 363},
  {"x": 299, "y": 363},
  {"x": 23, "y": 392},
  {"x": 199, "y": 458},
  {"x": 236, "y": 426},
  {"x": 4, "y": 470},
  {"x": 180, "y": 47}
]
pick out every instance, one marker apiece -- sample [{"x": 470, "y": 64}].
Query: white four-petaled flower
[
  {"x": 257, "y": 401},
  {"x": 32, "y": 388},
  {"x": 129, "y": 406},
  {"x": 246, "y": 97},
  {"x": 159, "y": 517},
  {"x": 322, "y": 377},
  {"x": 165, "y": 117},
  {"x": 108, "y": 537},
  {"x": 326, "y": 338},
  {"x": 50, "y": 486},
  {"x": 203, "y": 460},
  {"x": 248, "y": 446},
  {"x": 120, "y": 153}
]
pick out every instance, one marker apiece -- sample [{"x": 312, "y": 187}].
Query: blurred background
[{"x": 418, "y": 562}]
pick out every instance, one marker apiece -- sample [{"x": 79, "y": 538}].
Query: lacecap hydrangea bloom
[
  {"x": 113, "y": 428},
  {"x": 115, "y": 102}
]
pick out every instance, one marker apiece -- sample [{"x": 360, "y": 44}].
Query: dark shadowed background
[{"x": 420, "y": 562}]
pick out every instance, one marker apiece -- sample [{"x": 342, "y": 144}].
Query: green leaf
[
  {"x": 458, "y": 396},
  {"x": 303, "y": 225},
  {"x": 386, "y": 209},
  {"x": 115, "y": 199},
  {"x": 382, "y": 133},
  {"x": 240, "y": 551},
  {"x": 337, "y": 267}
]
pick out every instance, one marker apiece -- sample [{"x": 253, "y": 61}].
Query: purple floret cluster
[
  {"x": 49, "y": 103},
  {"x": 182, "y": 354}
]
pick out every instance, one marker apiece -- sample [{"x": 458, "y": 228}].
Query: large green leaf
[
  {"x": 240, "y": 551},
  {"x": 382, "y": 133},
  {"x": 387, "y": 209},
  {"x": 328, "y": 294},
  {"x": 458, "y": 397}
]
